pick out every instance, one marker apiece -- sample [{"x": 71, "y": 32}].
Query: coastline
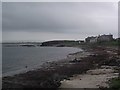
[
  {"x": 51, "y": 75},
  {"x": 37, "y": 57}
]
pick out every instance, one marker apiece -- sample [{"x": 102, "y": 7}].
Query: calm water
[{"x": 14, "y": 59}]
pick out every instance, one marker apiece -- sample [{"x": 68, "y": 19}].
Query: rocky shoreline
[
  {"x": 51, "y": 75},
  {"x": 95, "y": 78}
]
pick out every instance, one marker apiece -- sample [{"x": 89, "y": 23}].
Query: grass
[
  {"x": 115, "y": 83},
  {"x": 113, "y": 43}
]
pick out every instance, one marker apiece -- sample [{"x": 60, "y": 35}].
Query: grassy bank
[{"x": 115, "y": 83}]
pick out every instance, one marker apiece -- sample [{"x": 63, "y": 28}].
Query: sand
[{"x": 92, "y": 79}]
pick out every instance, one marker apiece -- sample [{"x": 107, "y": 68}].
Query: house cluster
[{"x": 99, "y": 38}]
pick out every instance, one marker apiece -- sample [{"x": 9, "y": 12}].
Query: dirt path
[{"x": 92, "y": 79}]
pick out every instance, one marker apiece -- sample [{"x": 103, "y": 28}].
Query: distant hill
[{"x": 60, "y": 43}]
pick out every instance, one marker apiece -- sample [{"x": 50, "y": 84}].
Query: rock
[{"x": 99, "y": 71}]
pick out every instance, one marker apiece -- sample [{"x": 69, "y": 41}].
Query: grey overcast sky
[{"x": 41, "y": 21}]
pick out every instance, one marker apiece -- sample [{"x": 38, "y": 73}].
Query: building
[
  {"x": 91, "y": 39},
  {"x": 105, "y": 38},
  {"x": 99, "y": 38}
]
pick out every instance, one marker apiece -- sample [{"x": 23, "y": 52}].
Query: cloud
[
  {"x": 0, "y": 14},
  {"x": 60, "y": 17}
]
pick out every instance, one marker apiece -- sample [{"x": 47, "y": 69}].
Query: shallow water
[{"x": 15, "y": 59}]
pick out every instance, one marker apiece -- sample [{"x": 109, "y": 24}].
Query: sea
[{"x": 17, "y": 60}]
